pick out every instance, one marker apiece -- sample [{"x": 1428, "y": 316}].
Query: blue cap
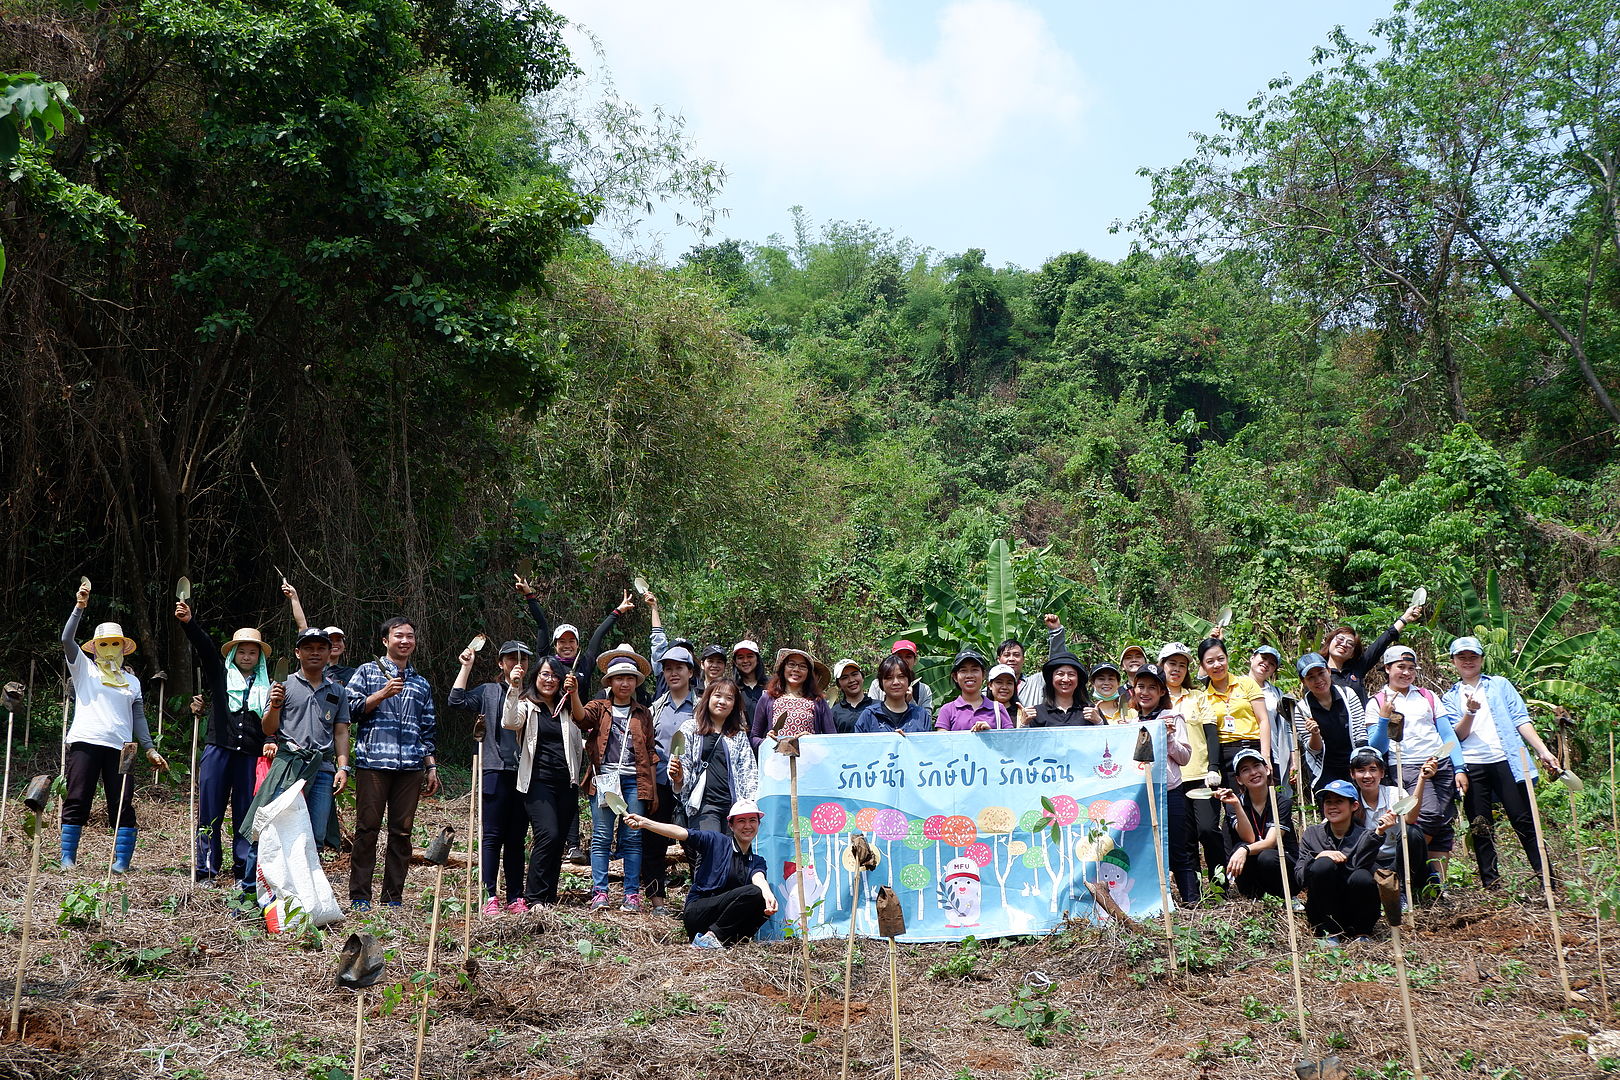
[
  {"x": 1267, "y": 650},
  {"x": 1309, "y": 663},
  {"x": 1338, "y": 787},
  {"x": 678, "y": 654},
  {"x": 1467, "y": 644}
]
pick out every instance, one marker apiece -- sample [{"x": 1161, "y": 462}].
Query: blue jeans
[
  {"x": 602, "y": 841},
  {"x": 318, "y": 798}
]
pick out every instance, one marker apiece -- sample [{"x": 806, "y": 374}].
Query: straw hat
[
  {"x": 621, "y": 657},
  {"x": 105, "y": 631},
  {"x": 823, "y": 675},
  {"x": 246, "y": 636}
]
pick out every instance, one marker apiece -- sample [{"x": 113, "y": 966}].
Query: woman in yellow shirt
[{"x": 1235, "y": 705}]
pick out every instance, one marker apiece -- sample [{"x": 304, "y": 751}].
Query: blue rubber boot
[
  {"x": 70, "y": 845},
  {"x": 123, "y": 849}
]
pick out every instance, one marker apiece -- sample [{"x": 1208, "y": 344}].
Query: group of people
[{"x": 665, "y": 749}]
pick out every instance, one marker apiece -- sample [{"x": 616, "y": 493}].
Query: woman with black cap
[
  {"x": 1065, "y": 701},
  {"x": 506, "y": 821}
]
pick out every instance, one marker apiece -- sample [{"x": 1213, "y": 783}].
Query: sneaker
[
  {"x": 707, "y": 940},
  {"x": 1299, "y": 906},
  {"x": 492, "y": 907},
  {"x": 660, "y": 909},
  {"x": 1329, "y": 941},
  {"x": 393, "y": 903},
  {"x": 1363, "y": 939},
  {"x": 359, "y": 905},
  {"x": 578, "y": 856},
  {"x": 518, "y": 907},
  {"x": 632, "y": 903},
  {"x": 599, "y": 900}
]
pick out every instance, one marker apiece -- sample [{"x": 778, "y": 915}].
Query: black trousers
[
  {"x": 1262, "y": 875},
  {"x": 1339, "y": 900},
  {"x": 654, "y": 848},
  {"x": 1494, "y": 783},
  {"x": 506, "y": 824},
  {"x": 1204, "y": 832},
  {"x": 1419, "y": 849},
  {"x": 88, "y": 765},
  {"x": 553, "y": 810},
  {"x": 730, "y": 916},
  {"x": 393, "y": 793},
  {"x": 1178, "y": 838}
]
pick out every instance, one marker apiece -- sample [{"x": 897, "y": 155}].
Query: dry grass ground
[{"x": 563, "y": 993}]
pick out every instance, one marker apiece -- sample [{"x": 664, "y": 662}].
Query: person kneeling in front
[
  {"x": 730, "y": 898},
  {"x": 1337, "y": 857}
]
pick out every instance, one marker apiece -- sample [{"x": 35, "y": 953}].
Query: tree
[{"x": 1453, "y": 147}]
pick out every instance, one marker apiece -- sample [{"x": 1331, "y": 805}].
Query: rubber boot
[
  {"x": 70, "y": 845},
  {"x": 123, "y": 849}
]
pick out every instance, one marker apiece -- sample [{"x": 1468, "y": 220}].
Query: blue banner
[{"x": 984, "y": 835}]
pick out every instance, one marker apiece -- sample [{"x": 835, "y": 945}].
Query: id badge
[{"x": 1229, "y": 724}]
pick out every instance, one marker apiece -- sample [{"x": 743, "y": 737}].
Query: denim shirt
[
  {"x": 1507, "y": 712},
  {"x": 400, "y": 733}
]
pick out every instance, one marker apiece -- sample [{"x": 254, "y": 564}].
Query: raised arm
[{"x": 297, "y": 608}]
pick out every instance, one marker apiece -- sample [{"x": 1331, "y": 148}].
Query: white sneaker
[{"x": 707, "y": 940}]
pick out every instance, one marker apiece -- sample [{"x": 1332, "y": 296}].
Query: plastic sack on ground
[{"x": 292, "y": 887}]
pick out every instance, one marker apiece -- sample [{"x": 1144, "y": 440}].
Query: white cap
[
  {"x": 1398, "y": 652},
  {"x": 1174, "y": 648},
  {"x": 565, "y": 628},
  {"x": 743, "y": 808},
  {"x": 843, "y": 666},
  {"x": 746, "y": 643},
  {"x": 331, "y": 630},
  {"x": 999, "y": 670}
]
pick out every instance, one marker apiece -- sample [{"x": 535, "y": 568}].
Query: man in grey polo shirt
[{"x": 308, "y": 722}]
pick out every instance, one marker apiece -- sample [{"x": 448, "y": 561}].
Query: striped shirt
[{"x": 399, "y": 733}]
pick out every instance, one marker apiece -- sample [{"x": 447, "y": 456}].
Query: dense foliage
[{"x": 310, "y": 288}]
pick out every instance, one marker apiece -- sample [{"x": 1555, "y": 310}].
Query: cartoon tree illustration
[
  {"x": 1039, "y": 824},
  {"x": 889, "y": 826},
  {"x": 916, "y": 876},
  {"x": 917, "y": 840},
  {"x": 997, "y": 823},
  {"x": 866, "y": 819},
  {"x": 932, "y": 828},
  {"x": 829, "y": 820},
  {"x": 1062, "y": 811}
]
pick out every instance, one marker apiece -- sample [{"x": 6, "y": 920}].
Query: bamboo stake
[
  {"x": 1406, "y": 1002},
  {"x": 1288, "y": 915},
  {"x": 1158, "y": 858},
  {"x": 61, "y": 769},
  {"x": 195, "y": 721},
  {"x": 118, "y": 817},
  {"x": 1546, "y": 876},
  {"x": 27, "y": 930},
  {"x": 1406, "y": 841},
  {"x": 849, "y": 959},
  {"x": 798, "y": 863},
  {"x": 894, "y": 1004},
  {"x": 472, "y": 864},
  {"x": 427, "y": 975},
  {"x": 359, "y": 1028},
  {"x": 5, "y": 787}
]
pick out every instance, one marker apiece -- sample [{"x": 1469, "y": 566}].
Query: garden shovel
[{"x": 360, "y": 965}]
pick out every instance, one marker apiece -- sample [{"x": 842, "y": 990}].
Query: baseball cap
[
  {"x": 1342, "y": 788},
  {"x": 967, "y": 656},
  {"x": 334, "y": 631},
  {"x": 679, "y": 654},
  {"x": 904, "y": 645},
  {"x": 1246, "y": 754},
  {"x": 312, "y": 633},
  {"x": 1267, "y": 650},
  {"x": 514, "y": 646},
  {"x": 1105, "y": 665},
  {"x": 1397, "y": 652},
  {"x": 1309, "y": 663},
  {"x": 744, "y": 808},
  {"x": 1366, "y": 755},
  {"x": 713, "y": 650},
  {"x": 843, "y": 666},
  {"x": 1000, "y": 670},
  {"x": 1174, "y": 648},
  {"x": 1151, "y": 671},
  {"x": 1467, "y": 644},
  {"x": 745, "y": 645},
  {"x": 565, "y": 628}
]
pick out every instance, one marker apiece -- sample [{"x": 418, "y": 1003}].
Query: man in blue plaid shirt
[{"x": 393, "y": 712}]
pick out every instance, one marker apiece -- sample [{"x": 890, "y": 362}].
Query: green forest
[{"x": 312, "y": 288}]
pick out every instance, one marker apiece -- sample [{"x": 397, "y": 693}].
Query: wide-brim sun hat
[
  {"x": 1063, "y": 659},
  {"x": 623, "y": 661},
  {"x": 823, "y": 675},
  {"x": 248, "y": 635},
  {"x": 106, "y": 632}
]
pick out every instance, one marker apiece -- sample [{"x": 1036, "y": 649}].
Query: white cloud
[{"x": 797, "y": 91}]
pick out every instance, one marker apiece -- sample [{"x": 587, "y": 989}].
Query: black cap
[
  {"x": 1153, "y": 672},
  {"x": 515, "y": 647},
  {"x": 968, "y": 656},
  {"x": 311, "y": 633},
  {"x": 1064, "y": 659},
  {"x": 713, "y": 650}
]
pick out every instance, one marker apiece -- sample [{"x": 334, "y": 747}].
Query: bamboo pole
[
  {"x": 1288, "y": 915},
  {"x": 1546, "y": 876},
  {"x": 1406, "y": 1002},
  {"x": 849, "y": 959},
  {"x": 1158, "y": 858},
  {"x": 196, "y": 721},
  {"x": 5, "y": 786},
  {"x": 28, "y": 707},
  {"x": 359, "y": 1029},
  {"x": 1406, "y": 841},
  {"x": 894, "y": 1004},
  {"x": 798, "y": 863},
  {"x": 27, "y": 931},
  {"x": 472, "y": 864},
  {"x": 427, "y": 974}
]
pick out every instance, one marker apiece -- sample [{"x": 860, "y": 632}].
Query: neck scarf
[
  {"x": 112, "y": 673},
  {"x": 243, "y": 694}
]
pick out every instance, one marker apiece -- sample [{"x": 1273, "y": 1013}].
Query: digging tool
[
  {"x": 861, "y": 858},
  {"x": 360, "y": 965},
  {"x": 1317, "y": 1069},
  {"x": 789, "y": 748},
  {"x": 1143, "y": 755},
  {"x": 126, "y": 765},
  {"x": 642, "y": 588},
  {"x": 1223, "y": 618},
  {"x": 161, "y": 678},
  {"x": 1546, "y": 877},
  {"x": 11, "y": 697},
  {"x": 438, "y": 853},
  {"x": 891, "y": 924},
  {"x": 472, "y": 868},
  {"x": 39, "y": 794}
]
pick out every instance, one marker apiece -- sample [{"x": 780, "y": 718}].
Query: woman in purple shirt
[{"x": 971, "y": 710}]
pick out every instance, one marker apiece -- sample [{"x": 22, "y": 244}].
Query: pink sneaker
[
  {"x": 632, "y": 903},
  {"x": 518, "y": 907},
  {"x": 493, "y": 907},
  {"x": 599, "y": 900}
]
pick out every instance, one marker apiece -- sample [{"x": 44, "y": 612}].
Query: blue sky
[{"x": 1012, "y": 125}]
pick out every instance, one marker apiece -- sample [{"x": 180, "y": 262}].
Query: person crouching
[
  {"x": 1337, "y": 857},
  {"x": 730, "y": 899}
]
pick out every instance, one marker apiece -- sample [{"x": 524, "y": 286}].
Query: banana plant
[{"x": 1536, "y": 664}]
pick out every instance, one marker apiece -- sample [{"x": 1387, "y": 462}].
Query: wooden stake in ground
[
  {"x": 61, "y": 768},
  {"x": 1546, "y": 876},
  {"x": 5, "y": 786},
  {"x": 161, "y": 678},
  {"x": 196, "y": 720},
  {"x": 39, "y": 794},
  {"x": 892, "y": 924},
  {"x": 360, "y": 965},
  {"x": 1614, "y": 803},
  {"x": 789, "y": 748},
  {"x": 1406, "y": 1001},
  {"x": 28, "y": 705},
  {"x": 1400, "y": 822},
  {"x": 472, "y": 871},
  {"x": 437, "y": 853},
  {"x": 1288, "y": 917},
  {"x": 1143, "y": 756},
  {"x": 862, "y": 858},
  {"x": 126, "y": 765},
  {"x": 1580, "y": 864}
]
